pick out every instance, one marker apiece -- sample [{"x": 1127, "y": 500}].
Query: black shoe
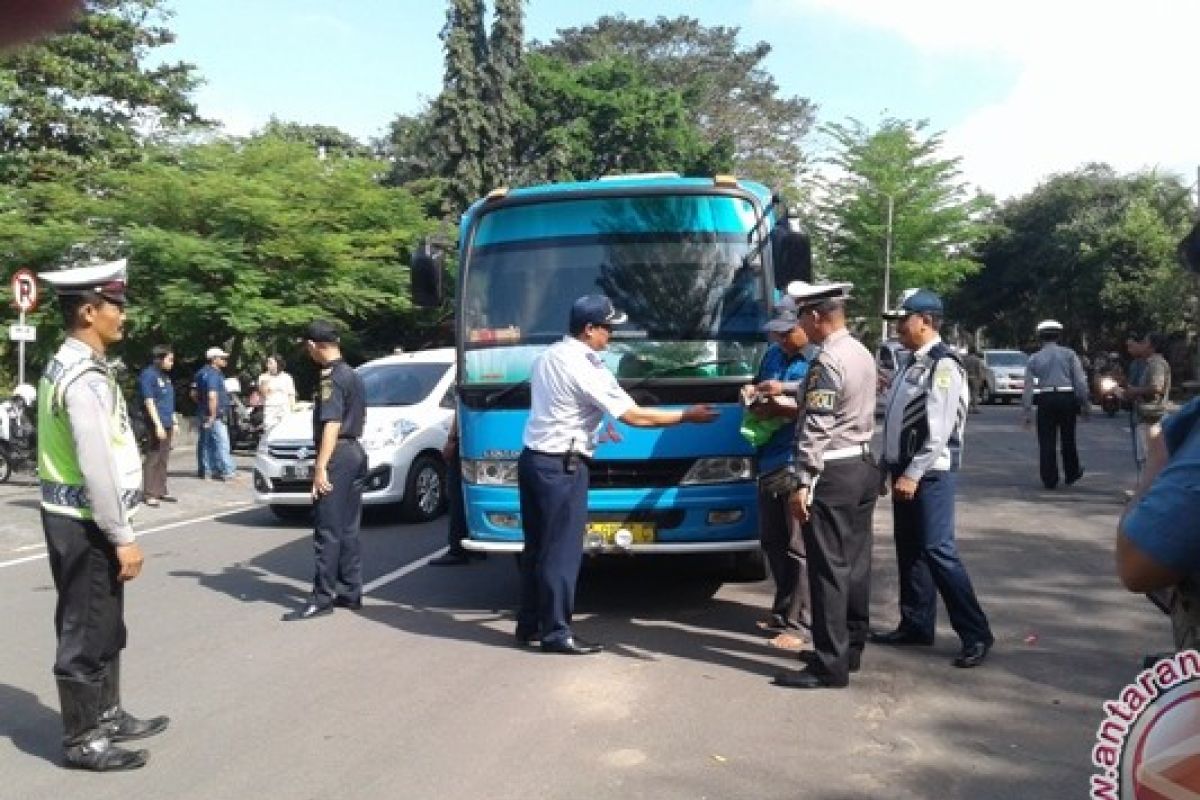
[
  {"x": 972, "y": 655},
  {"x": 527, "y": 639},
  {"x": 122, "y": 726},
  {"x": 310, "y": 611},
  {"x": 101, "y": 755},
  {"x": 807, "y": 678},
  {"x": 571, "y": 646},
  {"x": 345, "y": 602},
  {"x": 169, "y": 498},
  {"x": 809, "y": 658},
  {"x": 451, "y": 560},
  {"x": 900, "y": 636},
  {"x": 1075, "y": 480}
]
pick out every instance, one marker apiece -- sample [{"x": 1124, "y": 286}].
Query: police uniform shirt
[
  {"x": 925, "y": 413},
  {"x": 90, "y": 405},
  {"x": 1054, "y": 368},
  {"x": 571, "y": 392},
  {"x": 839, "y": 403},
  {"x": 341, "y": 397}
]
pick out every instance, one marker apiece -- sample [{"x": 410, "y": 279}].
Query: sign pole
[{"x": 21, "y": 354}]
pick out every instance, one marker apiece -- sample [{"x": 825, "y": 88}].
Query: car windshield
[
  {"x": 673, "y": 264},
  {"x": 400, "y": 384},
  {"x": 1013, "y": 358}
]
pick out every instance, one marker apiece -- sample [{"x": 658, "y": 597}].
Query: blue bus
[{"x": 693, "y": 264}]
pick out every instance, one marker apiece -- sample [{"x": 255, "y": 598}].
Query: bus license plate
[
  {"x": 303, "y": 472},
  {"x": 643, "y": 532}
]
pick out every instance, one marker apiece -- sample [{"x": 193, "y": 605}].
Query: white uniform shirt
[{"x": 571, "y": 392}]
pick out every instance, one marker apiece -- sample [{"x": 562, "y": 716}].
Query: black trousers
[
  {"x": 837, "y": 539},
  {"x": 335, "y": 535},
  {"x": 554, "y": 518},
  {"x": 456, "y": 507},
  {"x": 783, "y": 546},
  {"x": 89, "y": 617},
  {"x": 1056, "y": 416}
]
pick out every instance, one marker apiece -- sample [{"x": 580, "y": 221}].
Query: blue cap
[
  {"x": 918, "y": 301},
  {"x": 594, "y": 309},
  {"x": 783, "y": 321}
]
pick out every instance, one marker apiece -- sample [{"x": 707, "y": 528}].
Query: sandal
[
  {"x": 771, "y": 624},
  {"x": 151, "y": 501}
]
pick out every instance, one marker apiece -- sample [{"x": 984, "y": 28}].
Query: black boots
[
  {"x": 93, "y": 721},
  {"x": 86, "y": 743}
]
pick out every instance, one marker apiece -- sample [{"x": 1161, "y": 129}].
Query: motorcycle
[
  {"x": 245, "y": 421},
  {"x": 18, "y": 440},
  {"x": 1110, "y": 395}
]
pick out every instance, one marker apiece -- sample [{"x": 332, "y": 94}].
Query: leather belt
[{"x": 853, "y": 451}]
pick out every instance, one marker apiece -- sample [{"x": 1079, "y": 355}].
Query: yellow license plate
[{"x": 643, "y": 532}]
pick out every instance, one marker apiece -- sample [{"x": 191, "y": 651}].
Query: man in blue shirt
[
  {"x": 158, "y": 407},
  {"x": 212, "y": 407},
  {"x": 773, "y": 397}
]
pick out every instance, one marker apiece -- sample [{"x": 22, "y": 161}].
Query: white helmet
[
  {"x": 1049, "y": 325},
  {"x": 26, "y": 392}
]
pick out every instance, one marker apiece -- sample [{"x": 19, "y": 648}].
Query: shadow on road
[{"x": 32, "y": 727}]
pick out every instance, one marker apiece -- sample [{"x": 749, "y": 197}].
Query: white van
[{"x": 410, "y": 404}]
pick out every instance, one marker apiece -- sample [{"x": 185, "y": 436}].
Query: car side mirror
[
  {"x": 427, "y": 276},
  {"x": 791, "y": 252}
]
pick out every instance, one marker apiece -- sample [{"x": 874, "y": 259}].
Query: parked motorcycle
[
  {"x": 18, "y": 434},
  {"x": 245, "y": 419}
]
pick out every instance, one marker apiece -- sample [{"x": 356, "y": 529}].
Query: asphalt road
[{"x": 423, "y": 695}]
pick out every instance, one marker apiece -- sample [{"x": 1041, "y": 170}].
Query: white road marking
[
  {"x": 397, "y": 574},
  {"x": 148, "y": 531}
]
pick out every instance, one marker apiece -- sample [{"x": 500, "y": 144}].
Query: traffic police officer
[
  {"x": 1056, "y": 384},
  {"x": 339, "y": 410},
  {"x": 90, "y": 473},
  {"x": 838, "y": 486},
  {"x": 925, "y": 417},
  {"x": 571, "y": 391}
]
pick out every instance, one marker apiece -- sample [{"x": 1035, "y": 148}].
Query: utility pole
[{"x": 887, "y": 270}]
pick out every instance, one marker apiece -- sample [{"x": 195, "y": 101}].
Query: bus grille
[{"x": 654, "y": 473}]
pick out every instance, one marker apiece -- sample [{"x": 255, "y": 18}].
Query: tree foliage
[
  {"x": 726, "y": 91},
  {"x": 236, "y": 243},
  {"x": 935, "y": 221},
  {"x": 86, "y": 95},
  {"x": 1094, "y": 250}
]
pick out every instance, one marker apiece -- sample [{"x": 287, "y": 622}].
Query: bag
[
  {"x": 779, "y": 482},
  {"x": 759, "y": 431}
]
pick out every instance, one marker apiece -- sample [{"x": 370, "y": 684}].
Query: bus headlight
[
  {"x": 489, "y": 472},
  {"x": 719, "y": 470}
]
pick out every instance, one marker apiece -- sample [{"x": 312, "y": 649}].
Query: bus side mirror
[
  {"x": 791, "y": 250},
  {"x": 427, "y": 276}
]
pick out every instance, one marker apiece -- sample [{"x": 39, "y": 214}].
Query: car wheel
[
  {"x": 291, "y": 513},
  {"x": 425, "y": 490}
]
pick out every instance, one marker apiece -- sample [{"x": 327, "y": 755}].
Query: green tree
[
  {"x": 1090, "y": 248},
  {"x": 86, "y": 95},
  {"x": 935, "y": 221},
  {"x": 604, "y": 118},
  {"x": 238, "y": 243},
  {"x": 502, "y": 98},
  {"x": 726, "y": 90},
  {"x": 460, "y": 115}
]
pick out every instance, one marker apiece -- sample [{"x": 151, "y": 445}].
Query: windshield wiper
[{"x": 662, "y": 373}]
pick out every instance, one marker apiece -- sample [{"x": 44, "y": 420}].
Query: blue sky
[{"x": 1021, "y": 90}]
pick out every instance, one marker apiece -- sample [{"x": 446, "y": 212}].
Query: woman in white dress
[{"x": 278, "y": 392}]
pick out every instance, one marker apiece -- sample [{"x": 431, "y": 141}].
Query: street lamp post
[{"x": 887, "y": 267}]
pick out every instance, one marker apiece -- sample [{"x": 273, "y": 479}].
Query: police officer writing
[
  {"x": 1056, "y": 384},
  {"x": 571, "y": 391},
  {"x": 91, "y": 473},
  {"x": 924, "y": 420},
  {"x": 838, "y": 487},
  {"x": 339, "y": 411}
]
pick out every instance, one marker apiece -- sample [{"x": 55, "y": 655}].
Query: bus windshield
[{"x": 672, "y": 264}]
